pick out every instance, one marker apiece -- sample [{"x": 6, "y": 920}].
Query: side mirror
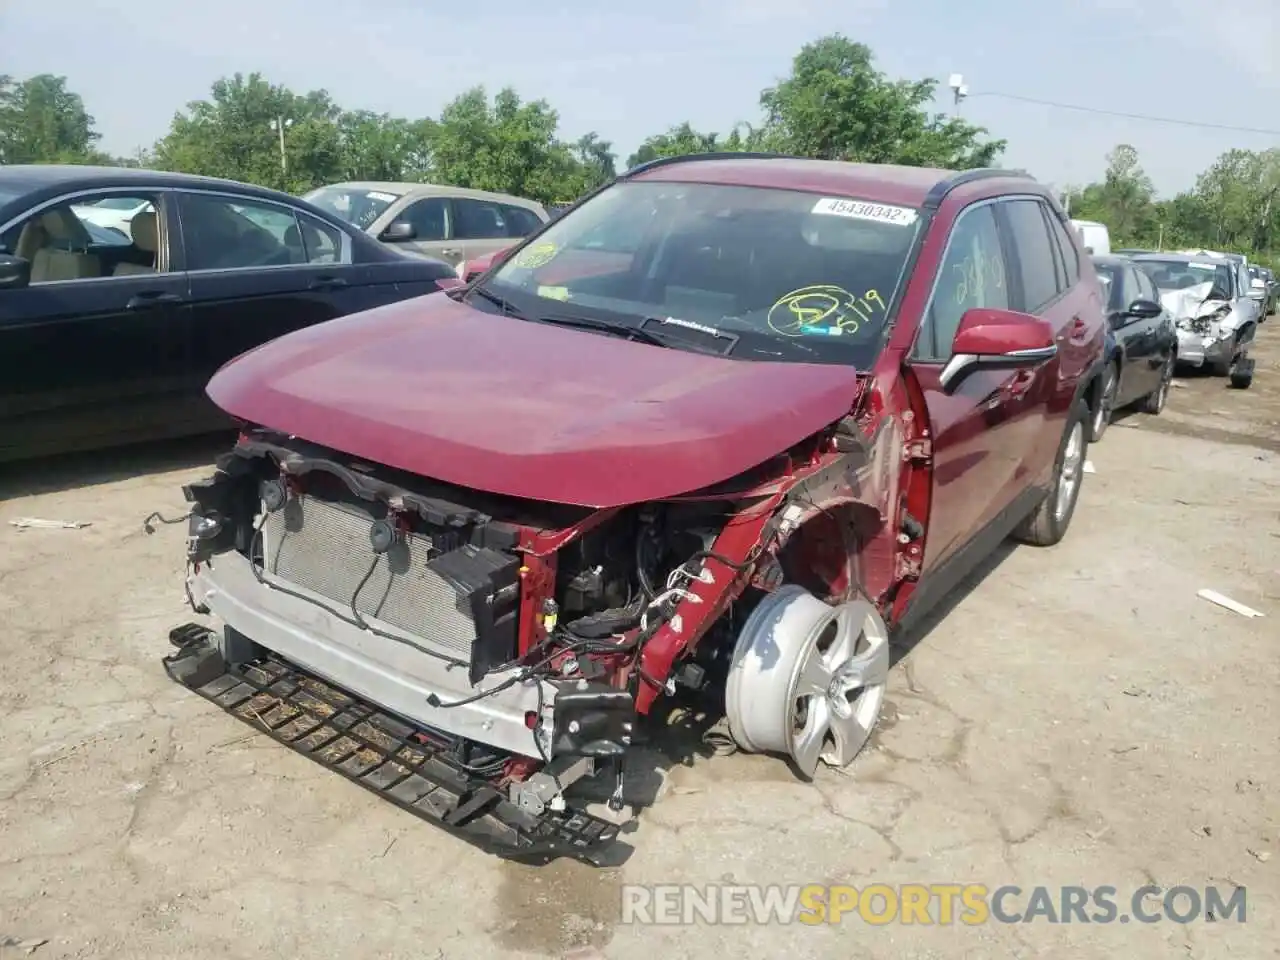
[
  {"x": 14, "y": 272},
  {"x": 1144, "y": 310},
  {"x": 996, "y": 340},
  {"x": 398, "y": 231}
]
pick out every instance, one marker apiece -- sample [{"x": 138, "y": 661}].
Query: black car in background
[
  {"x": 1142, "y": 341},
  {"x": 109, "y": 330}
]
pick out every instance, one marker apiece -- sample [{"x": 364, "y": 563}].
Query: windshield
[
  {"x": 1171, "y": 275},
  {"x": 783, "y": 275},
  {"x": 358, "y": 207}
]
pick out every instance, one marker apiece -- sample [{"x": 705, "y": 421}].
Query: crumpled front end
[
  {"x": 1206, "y": 327},
  {"x": 477, "y": 659}
]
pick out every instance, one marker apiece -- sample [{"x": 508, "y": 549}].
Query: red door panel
[{"x": 979, "y": 437}]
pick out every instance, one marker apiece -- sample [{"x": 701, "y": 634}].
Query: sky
[{"x": 630, "y": 70}]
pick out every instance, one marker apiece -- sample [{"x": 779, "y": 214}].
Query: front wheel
[
  {"x": 1048, "y": 523},
  {"x": 1242, "y": 374}
]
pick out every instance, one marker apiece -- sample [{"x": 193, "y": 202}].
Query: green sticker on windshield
[{"x": 538, "y": 255}]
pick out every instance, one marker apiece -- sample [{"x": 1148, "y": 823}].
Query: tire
[
  {"x": 1242, "y": 375},
  {"x": 1100, "y": 418},
  {"x": 1047, "y": 524},
  {"x": 1153, "y": 403}
]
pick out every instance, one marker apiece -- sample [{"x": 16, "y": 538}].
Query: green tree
[
  {"x": 683, "y": 140},
  {"x": 236, "y": 135},
  {"x": 511, "y": 147},
  {"x": 1124, "y": 200},
  {"x": 836, "y": 105},
  {"x": 1241, "y": 192},
  {"x": 380, "y": 147},
  {"x": 597, "y": 161},
  {"x": 41, "y": 121}
]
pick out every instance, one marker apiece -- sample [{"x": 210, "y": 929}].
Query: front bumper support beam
[{"x": 397, "y": 761}]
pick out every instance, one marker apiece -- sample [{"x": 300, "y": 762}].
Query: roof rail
[
  {"x": 938, "y": 192},
  {"x": 695, "y": 157}
]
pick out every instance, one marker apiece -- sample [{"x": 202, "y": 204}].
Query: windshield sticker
[
  {"x": 384, "y": 197},
  {"x": 861, "y": 210},
  {"x": 690, "y": 325},
  {"x": 825, "y": 310},
  {"x": 554, "y": 293},
  {"x": 538, "y": 255}
]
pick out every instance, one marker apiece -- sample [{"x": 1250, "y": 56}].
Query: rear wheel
[
  {"x": 1048, "y": 523},
  {"x": 1106, "y": 403},
  {"x": 1154, "y": 401}
]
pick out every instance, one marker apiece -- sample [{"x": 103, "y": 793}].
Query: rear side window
[
  {"x": 223, "y": 233},
  {"x": 520, "y": 222},
  {"x": 427, "y": 218},
  {"x": 1034, "y": 253},
  {"x": 321, "y": 242},
  {"x": 477, "y": 220},
  {"x": 1066, "y": 249},
  {"x": 972, "y": 275}
]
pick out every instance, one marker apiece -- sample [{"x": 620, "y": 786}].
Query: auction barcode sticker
[{"x": 861, "y": 210}]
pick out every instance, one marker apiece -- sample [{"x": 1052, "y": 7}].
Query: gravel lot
[{"x": 1078, "y": 716}]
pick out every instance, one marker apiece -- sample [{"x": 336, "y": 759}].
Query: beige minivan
[{"x": 453, "y": 224}]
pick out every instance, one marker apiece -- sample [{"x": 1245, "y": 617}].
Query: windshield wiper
[
  {"x": 502, "y": 304},
  {"x": 608, "y": 326}
]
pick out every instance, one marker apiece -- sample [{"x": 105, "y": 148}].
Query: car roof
[
  {"x": 1110, "y": 260},
  {"x": 1182, "y": 258},
  {"x": 38, "y": 183},
  {"x": 35, "y": 176},
  {"x": 881, "y": 182},
  {"x": 403, "y": 188}
]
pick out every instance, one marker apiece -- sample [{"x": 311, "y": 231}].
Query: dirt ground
[{"x": 1077, "y": 716}]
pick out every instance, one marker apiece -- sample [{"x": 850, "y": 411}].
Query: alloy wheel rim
[
  {"x": 808, "y": 679},
  {"x": 1070, "y": 472},
  {"x": 1105, "y": 403}
]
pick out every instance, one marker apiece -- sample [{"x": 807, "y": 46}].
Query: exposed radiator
[{"x": 324, "y": 547}]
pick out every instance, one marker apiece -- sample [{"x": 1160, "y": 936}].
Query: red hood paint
[{"x": 525, "y": 409}]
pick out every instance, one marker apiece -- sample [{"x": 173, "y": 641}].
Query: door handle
[
  {"x": 327, "y": 283},
  {"x": 1018, "y": 385},
  {"x": 451, "y": 252},
  {"x": 145, "y": 301}
]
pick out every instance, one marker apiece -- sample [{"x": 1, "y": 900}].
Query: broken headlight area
[
  {"x": 1206, "y": 323},
  {"x": 510, "y": 632}
]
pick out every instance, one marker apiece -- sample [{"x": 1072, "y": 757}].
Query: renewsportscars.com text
[{"x": 969, "y": 904}]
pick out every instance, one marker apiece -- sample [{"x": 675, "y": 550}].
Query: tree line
[
  {"x": 1234, "y": 205},
  {"x": 835, "y": 103}
]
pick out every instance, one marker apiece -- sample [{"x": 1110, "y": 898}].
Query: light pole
[
  {"x": 959, "y": 90},
  {"x": 279, "y": 124}
]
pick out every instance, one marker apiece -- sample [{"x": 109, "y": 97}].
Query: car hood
[{"x": 525, "y": 409}]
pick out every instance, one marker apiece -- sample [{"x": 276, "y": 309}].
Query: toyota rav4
[{"x": 728, "y": 424}]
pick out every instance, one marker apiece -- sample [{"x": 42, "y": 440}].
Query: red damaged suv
[{"x": 726, "y": 425}]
